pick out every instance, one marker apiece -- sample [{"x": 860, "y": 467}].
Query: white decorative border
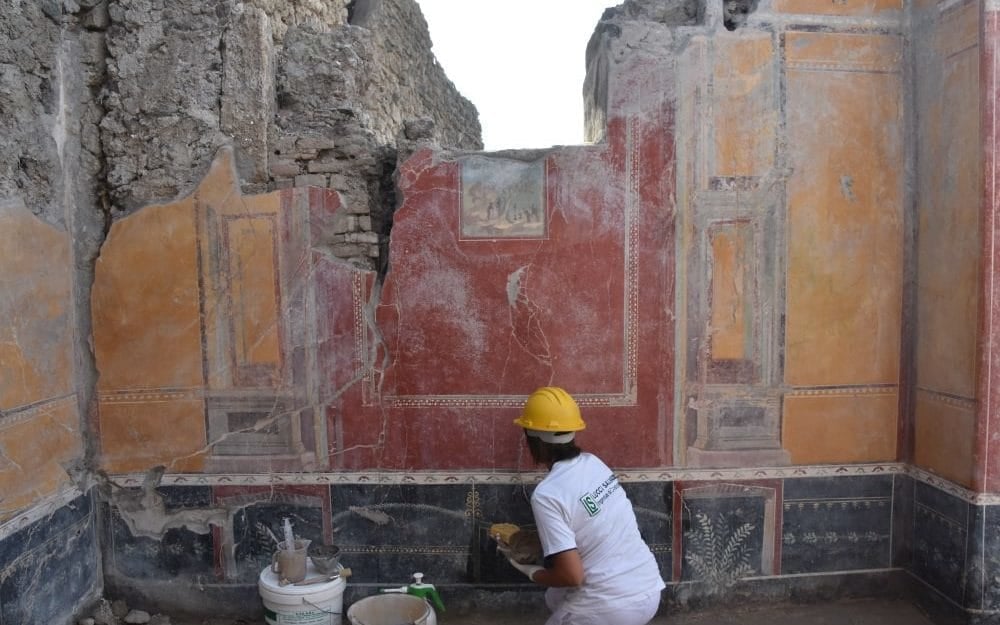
[
  {"x": 836, "y": 391},
  {"x": 40, "y": 510},
  {"x": 940, "y": 483},
  {"x": 30, "y": 411},
  {"x": 507, "y": 477},
  {"x": 533, "y": 477}
]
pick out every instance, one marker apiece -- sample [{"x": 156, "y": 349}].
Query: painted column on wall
[
  {"x": 986, "y": 472},
  {"x": 948, "y": 181}
]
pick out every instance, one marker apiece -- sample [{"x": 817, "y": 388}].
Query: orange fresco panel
[
  {"x": 137, "y": 436},
  {"x": 746, "y": 109},
  {"x": 34, "y": 451},
  {"x": 958, "y": 30},
  {"x": 845, "y": 239},
  {"x": 945, "y": 436},
  {"x": 36, "y": 323},
  {"x": 948, "y": 242},
  {"x": 219, "y": 191},
  {"x": 729, "y": 306},
  {"x": 253, "y": 289},
  {"x": 220, "y": 188},
  {"x": 840, "y": 428},
  {"x": 836, "y": 7},
  {"x": 239, "y": 279},
  {"x": 840, "y": 51},
  {"x": 147, "y": 328}
]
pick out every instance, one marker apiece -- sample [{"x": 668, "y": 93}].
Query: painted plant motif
[{"x": 718, "y": 551}]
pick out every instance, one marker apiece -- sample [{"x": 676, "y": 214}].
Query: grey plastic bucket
[{"x": 391, "y": 609}]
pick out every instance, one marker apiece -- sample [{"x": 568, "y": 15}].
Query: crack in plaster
[{"x": 526, "y": 328}]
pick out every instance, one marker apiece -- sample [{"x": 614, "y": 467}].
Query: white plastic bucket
[
  {"x": 391, "y": 609},
  {"x": 315, "y": 604}
]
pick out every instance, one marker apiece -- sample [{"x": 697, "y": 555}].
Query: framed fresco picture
[{"x": 502, "y": 199}]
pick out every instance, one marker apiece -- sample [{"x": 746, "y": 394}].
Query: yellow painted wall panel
[
  {"x": 146, "y": 316},
  {"x": 944, "y": 434},
  {"x": 842, "y": 52},
  {"x": 36, "y": 324},
  {"x": 254, "y": 290},
  {"x": 731, "y": 248},
  {"x": 840, "y": 428},
  {"x": 138, "y": 436},
  {"x": 837, "y": 7},
  {"x": 948, "y": 241},
  {"x": 241, "y": 251},
  {"x": 844, "y": 232},
  {"x": 33, "y": 453},
  {"x": 957, "y": 31},
  {"x": 746, "y": 105}
]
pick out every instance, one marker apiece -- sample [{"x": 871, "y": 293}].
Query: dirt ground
[
  {"x": 856, "y": 612},
  {"x": 867, "y": 612}
]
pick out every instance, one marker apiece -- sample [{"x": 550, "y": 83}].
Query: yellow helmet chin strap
[{"x": 552, "y": 437}]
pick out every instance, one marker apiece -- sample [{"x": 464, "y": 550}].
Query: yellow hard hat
[{"x": 550, "y": 409}]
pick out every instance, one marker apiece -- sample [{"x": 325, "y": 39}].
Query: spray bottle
[{"x": 418, "y": 588}]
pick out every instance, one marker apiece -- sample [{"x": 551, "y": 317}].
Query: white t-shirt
[{"x": 580, "y": 505}]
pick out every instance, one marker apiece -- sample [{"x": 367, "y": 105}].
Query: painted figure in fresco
[{"x": 597, "y": 568}]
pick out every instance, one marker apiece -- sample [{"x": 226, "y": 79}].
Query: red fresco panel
[
  {"x": 987, "y": 452},
  {"x": 469, "y": 324}
]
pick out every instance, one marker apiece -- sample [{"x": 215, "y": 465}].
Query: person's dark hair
[{"x": 551, "y": 453}]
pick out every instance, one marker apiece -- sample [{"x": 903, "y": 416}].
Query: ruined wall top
[
  {"x": 407, "y": 80},
  {"x": 285, "y": 14}
]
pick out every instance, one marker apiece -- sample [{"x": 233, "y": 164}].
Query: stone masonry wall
[
  {"x": 304, "y": 98},
  {"x": 286, "y": 14},
  {"x": 407, "y": 81}
]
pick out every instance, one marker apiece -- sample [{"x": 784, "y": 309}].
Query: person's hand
[{"x": 527, "y": 569}]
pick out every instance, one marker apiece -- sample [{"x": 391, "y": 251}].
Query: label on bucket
[{"x": 308, "y": 617}]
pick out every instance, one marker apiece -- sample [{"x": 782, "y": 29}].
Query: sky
[{"x": 521, "y": 62}]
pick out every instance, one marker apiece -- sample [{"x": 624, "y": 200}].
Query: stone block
[
  {"x": 284, "y": 167},
  {"x": 358, "y": 208},
  {"x": 420, "y": 128},
  {"x": 346, "y": 250},
  {"x": 325, "y": 166},
  {"x": 285, "y": 145},
  {"x": 338, "y": 181},
  {"x": 362, "y": 237},
  {"x": 310, "y": 180},
  {"x": 315, "y": 143},
  {"x": 344, "y": 222},
  {"x": 248, "y": 93}
]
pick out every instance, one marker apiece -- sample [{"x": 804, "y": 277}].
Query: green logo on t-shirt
[{"x": 590, "y": 505}]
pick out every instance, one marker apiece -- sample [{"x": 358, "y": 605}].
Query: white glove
[{"x": 527, "y": 569}]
